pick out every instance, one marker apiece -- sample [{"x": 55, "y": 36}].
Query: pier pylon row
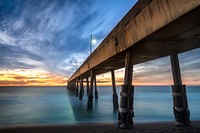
[
  {"x": 92, "y": 85},
  {"x": 125, "y": 108},
  {"x": 180, "y": 103}
]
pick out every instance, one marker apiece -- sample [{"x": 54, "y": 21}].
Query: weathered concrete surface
[{"x": 152, "y": 29}]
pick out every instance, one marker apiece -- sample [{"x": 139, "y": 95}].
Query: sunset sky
[{"x": 42, "y": 42}]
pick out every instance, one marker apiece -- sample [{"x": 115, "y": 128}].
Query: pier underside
[
  {"x": 180, "y": 36},
  {"x": 152, "y": 29}
]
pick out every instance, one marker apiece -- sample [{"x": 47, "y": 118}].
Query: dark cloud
[
  {"x": 104, "y": 81},
  {"x": 119, "y": 80},
  {"x": 21, "y": 83},
  {"x": 153, "y": 68},
  {"x": 11, "y": 57}
]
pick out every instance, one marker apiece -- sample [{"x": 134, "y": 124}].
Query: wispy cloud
[
  {"x": 6, "y": 39},
  {"x": 53, "y": 36}
]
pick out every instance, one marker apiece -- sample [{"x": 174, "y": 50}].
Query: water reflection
[{"x": 55, "y": 105}]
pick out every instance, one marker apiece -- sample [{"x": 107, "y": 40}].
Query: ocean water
[{"x": 56, "y": 105}]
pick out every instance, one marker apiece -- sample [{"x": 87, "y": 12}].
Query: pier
[{"x": 152, "y": 29}]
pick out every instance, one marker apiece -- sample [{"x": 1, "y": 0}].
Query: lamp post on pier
[{"x": 92, "y": 41}]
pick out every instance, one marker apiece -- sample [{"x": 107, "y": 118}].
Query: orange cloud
[
  {"x": 145, "y": 78},
  {"x": 30, "y": 77},
  {"x": 35, "y": 77}
]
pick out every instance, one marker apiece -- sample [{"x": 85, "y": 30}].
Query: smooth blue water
[{"x": 55, "y": 105}]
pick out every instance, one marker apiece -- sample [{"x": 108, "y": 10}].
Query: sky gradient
[{"x": 42, "y": 42}]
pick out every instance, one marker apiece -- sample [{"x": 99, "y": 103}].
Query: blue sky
[{"x": 52, "y": 37}]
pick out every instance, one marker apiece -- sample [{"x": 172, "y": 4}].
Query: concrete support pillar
[
  {"x": 115, "y": 97},
  {"x": 180, "y": 104},
  {"x": 74, "y": 86},
  {"x": 90, "y": 97},
  {"x": 71, "y": 86},
  {"x": 81, "y": 89},
  {"x": 77, "y": 87},
  {"x": 95, "y": 86},
  {"x": 87, "y": 83},
  {"x": 126, "y": 96}
]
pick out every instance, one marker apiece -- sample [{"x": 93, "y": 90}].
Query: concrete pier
[
  {"x": 76, "y": 88},
  {"x": 115, "y": 97},
  {"x": 152, "y": 29},
  {"x": 72, "y": 86},
  {"x": 90, "y": 97},
  {"x": 81, "y": 89},
  {"x": 126, "y": 96},
  {"x": 95, "y": 86},
  {"x": 87, "y": 84},
  {"x": 180, "y": 103}
]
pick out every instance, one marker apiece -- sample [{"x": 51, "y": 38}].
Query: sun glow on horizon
[
  {"x": 30, "y": 77},
  {"x": 38, "y": 77}
]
